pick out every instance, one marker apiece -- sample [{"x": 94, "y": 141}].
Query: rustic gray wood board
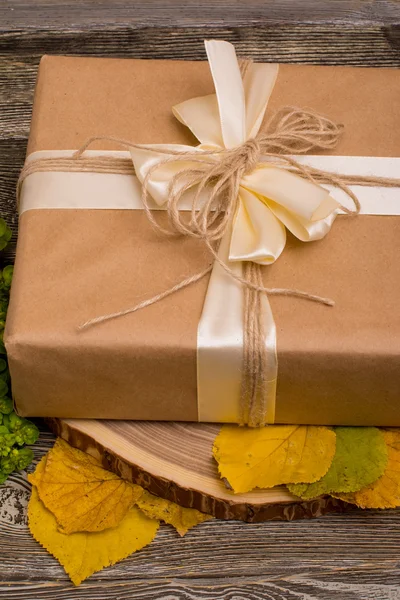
[
  {"x": 336, "y": 557},
  {"x": 174, "y": 461}
]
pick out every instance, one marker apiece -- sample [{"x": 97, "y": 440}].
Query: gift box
[{"x": 336, "y": 365}]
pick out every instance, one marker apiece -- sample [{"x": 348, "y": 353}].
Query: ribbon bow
[{"x": 268, "y": 198}]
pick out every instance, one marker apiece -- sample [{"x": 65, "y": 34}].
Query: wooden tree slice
[{"x": 174, "y": 461}]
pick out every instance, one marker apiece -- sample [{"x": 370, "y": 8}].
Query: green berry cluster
[{"x": 15, "y": 431}]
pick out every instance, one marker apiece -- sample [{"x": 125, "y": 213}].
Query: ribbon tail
[{"x": 220, "y": 346}]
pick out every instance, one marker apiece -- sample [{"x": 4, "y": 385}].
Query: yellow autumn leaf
[
  {"x": 35, "y": 477},
  {"x": 181, "y": 518},
  {"x": 82, "y": 554},
  {"x": 262, "y": 458},
  {"x": 80, "y": 493},
  {"x": 385, "y": 491},
  {"x": 154, "y": 507}
]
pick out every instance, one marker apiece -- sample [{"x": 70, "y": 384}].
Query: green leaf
[
  {"x": 7, "y": 275},
  {"x": 360, "y": 459},
  {"x": 5, "y": 231},
  {"x": 3, "y": 227}
]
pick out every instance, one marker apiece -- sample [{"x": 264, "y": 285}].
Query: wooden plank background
[{"x": 352, "y": 556}]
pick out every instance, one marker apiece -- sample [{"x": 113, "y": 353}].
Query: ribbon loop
[{"x": 229, "y": 91}]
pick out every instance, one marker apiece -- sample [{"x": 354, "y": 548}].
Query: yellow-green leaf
[
  {"x": 80, "y": 493},
  {"x": 82, "y": 554},
  {"x": 181, "y": 518},
  {"x": 360, "y": 458},
  {"x": 262, "y": 458},
  {"x": 385, "y": 491}
]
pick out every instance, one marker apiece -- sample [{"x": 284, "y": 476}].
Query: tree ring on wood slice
[{"x": 174, "y": 461}]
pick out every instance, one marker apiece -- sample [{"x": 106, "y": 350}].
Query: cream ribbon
[{"x": 47, "y": 190}]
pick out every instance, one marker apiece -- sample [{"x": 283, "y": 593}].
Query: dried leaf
[
  {"x": 360, "y": 458},
  {"x": 262, "y": 458},
  {"x": 80, "y": 493},
  {"x": 181, "y": 518},
  {"x": 35, "y": 477},
  {"x": 385, "y": 491},
  {"x": 82, "y": 554}
]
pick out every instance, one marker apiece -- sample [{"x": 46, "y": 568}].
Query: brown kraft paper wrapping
[{"x": 337, "y": 365}]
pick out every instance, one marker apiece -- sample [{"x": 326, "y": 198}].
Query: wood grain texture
[
  {"x": 337, "y": 557},
  {"x": 322, "y": 43},
  {"x": 174, "y": 461},
  {"x": 191, "y": 13}
]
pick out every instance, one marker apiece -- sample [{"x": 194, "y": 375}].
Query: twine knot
[{"x": 248, "y": 156}]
